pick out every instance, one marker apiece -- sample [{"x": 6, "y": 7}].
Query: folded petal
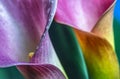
[
  {"x": 43, "y": 64},
  {"x": 104, "y": 27},
  {"x": 46, "y": 54},
  {"x": 68, "y": 51},
  {"x": 22, "y": 24},
  {"x": 100, "y": 58},
  {"x": 98, "y": 49},
  {"x": 41, "y": 72},
  {"x": 81, "y": 14}
]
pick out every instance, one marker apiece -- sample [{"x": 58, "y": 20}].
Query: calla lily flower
[
  {"x": 23, "y": 24},
  {"x": 78, "y": 45},
  {"x": 94, "y": 35}
]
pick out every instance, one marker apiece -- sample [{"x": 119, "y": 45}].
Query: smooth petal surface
[
  {"x": 41, "y": 72},
  {"x": 100, "y": 58},
  {"x": 81, "y": 14},
  {"x": 22, "y": 23},
  {"x": 46, "y": 54},
  {"x": 68, "y": 51},
  {"x": 44, "y": 64},
  {"x": 97, "y": 47},
  {"x": 104, "y": 27}
]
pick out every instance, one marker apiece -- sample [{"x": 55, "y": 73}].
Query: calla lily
[
  {"x": 94, "y": 35},
  {"x": 23, "y": 24},
  {"x": 76, "y": 38}
]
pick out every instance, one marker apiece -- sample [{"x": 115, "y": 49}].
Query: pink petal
[
  {"x": 41, "y": 72},
  {"x": 46, "y": 53},
  {"x": 22, "y": 23},
  {"x": 81, "y": 14}
]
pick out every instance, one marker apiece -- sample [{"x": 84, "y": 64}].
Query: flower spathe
[
  {"x": 24, "y": 29},
  {"x": 94, "y": 34},
  {"x": 22, "y": 24},
  {"x": 81, "y": 14}
]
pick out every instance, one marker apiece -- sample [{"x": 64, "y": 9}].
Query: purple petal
[
  {"x": 44, "y": 63},
  {"x": 22, "y": 23},
  {"x": 41, "y": 72},
  {"x": 81, "y": 14},
  {"x": 45, "y": 53}
]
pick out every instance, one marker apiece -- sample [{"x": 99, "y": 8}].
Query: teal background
[
  {"x": 116, "y": 25},
  {"x": 10, "y": 73}
]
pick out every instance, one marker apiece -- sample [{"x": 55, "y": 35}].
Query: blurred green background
[{"x": 10, "y": 73}]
